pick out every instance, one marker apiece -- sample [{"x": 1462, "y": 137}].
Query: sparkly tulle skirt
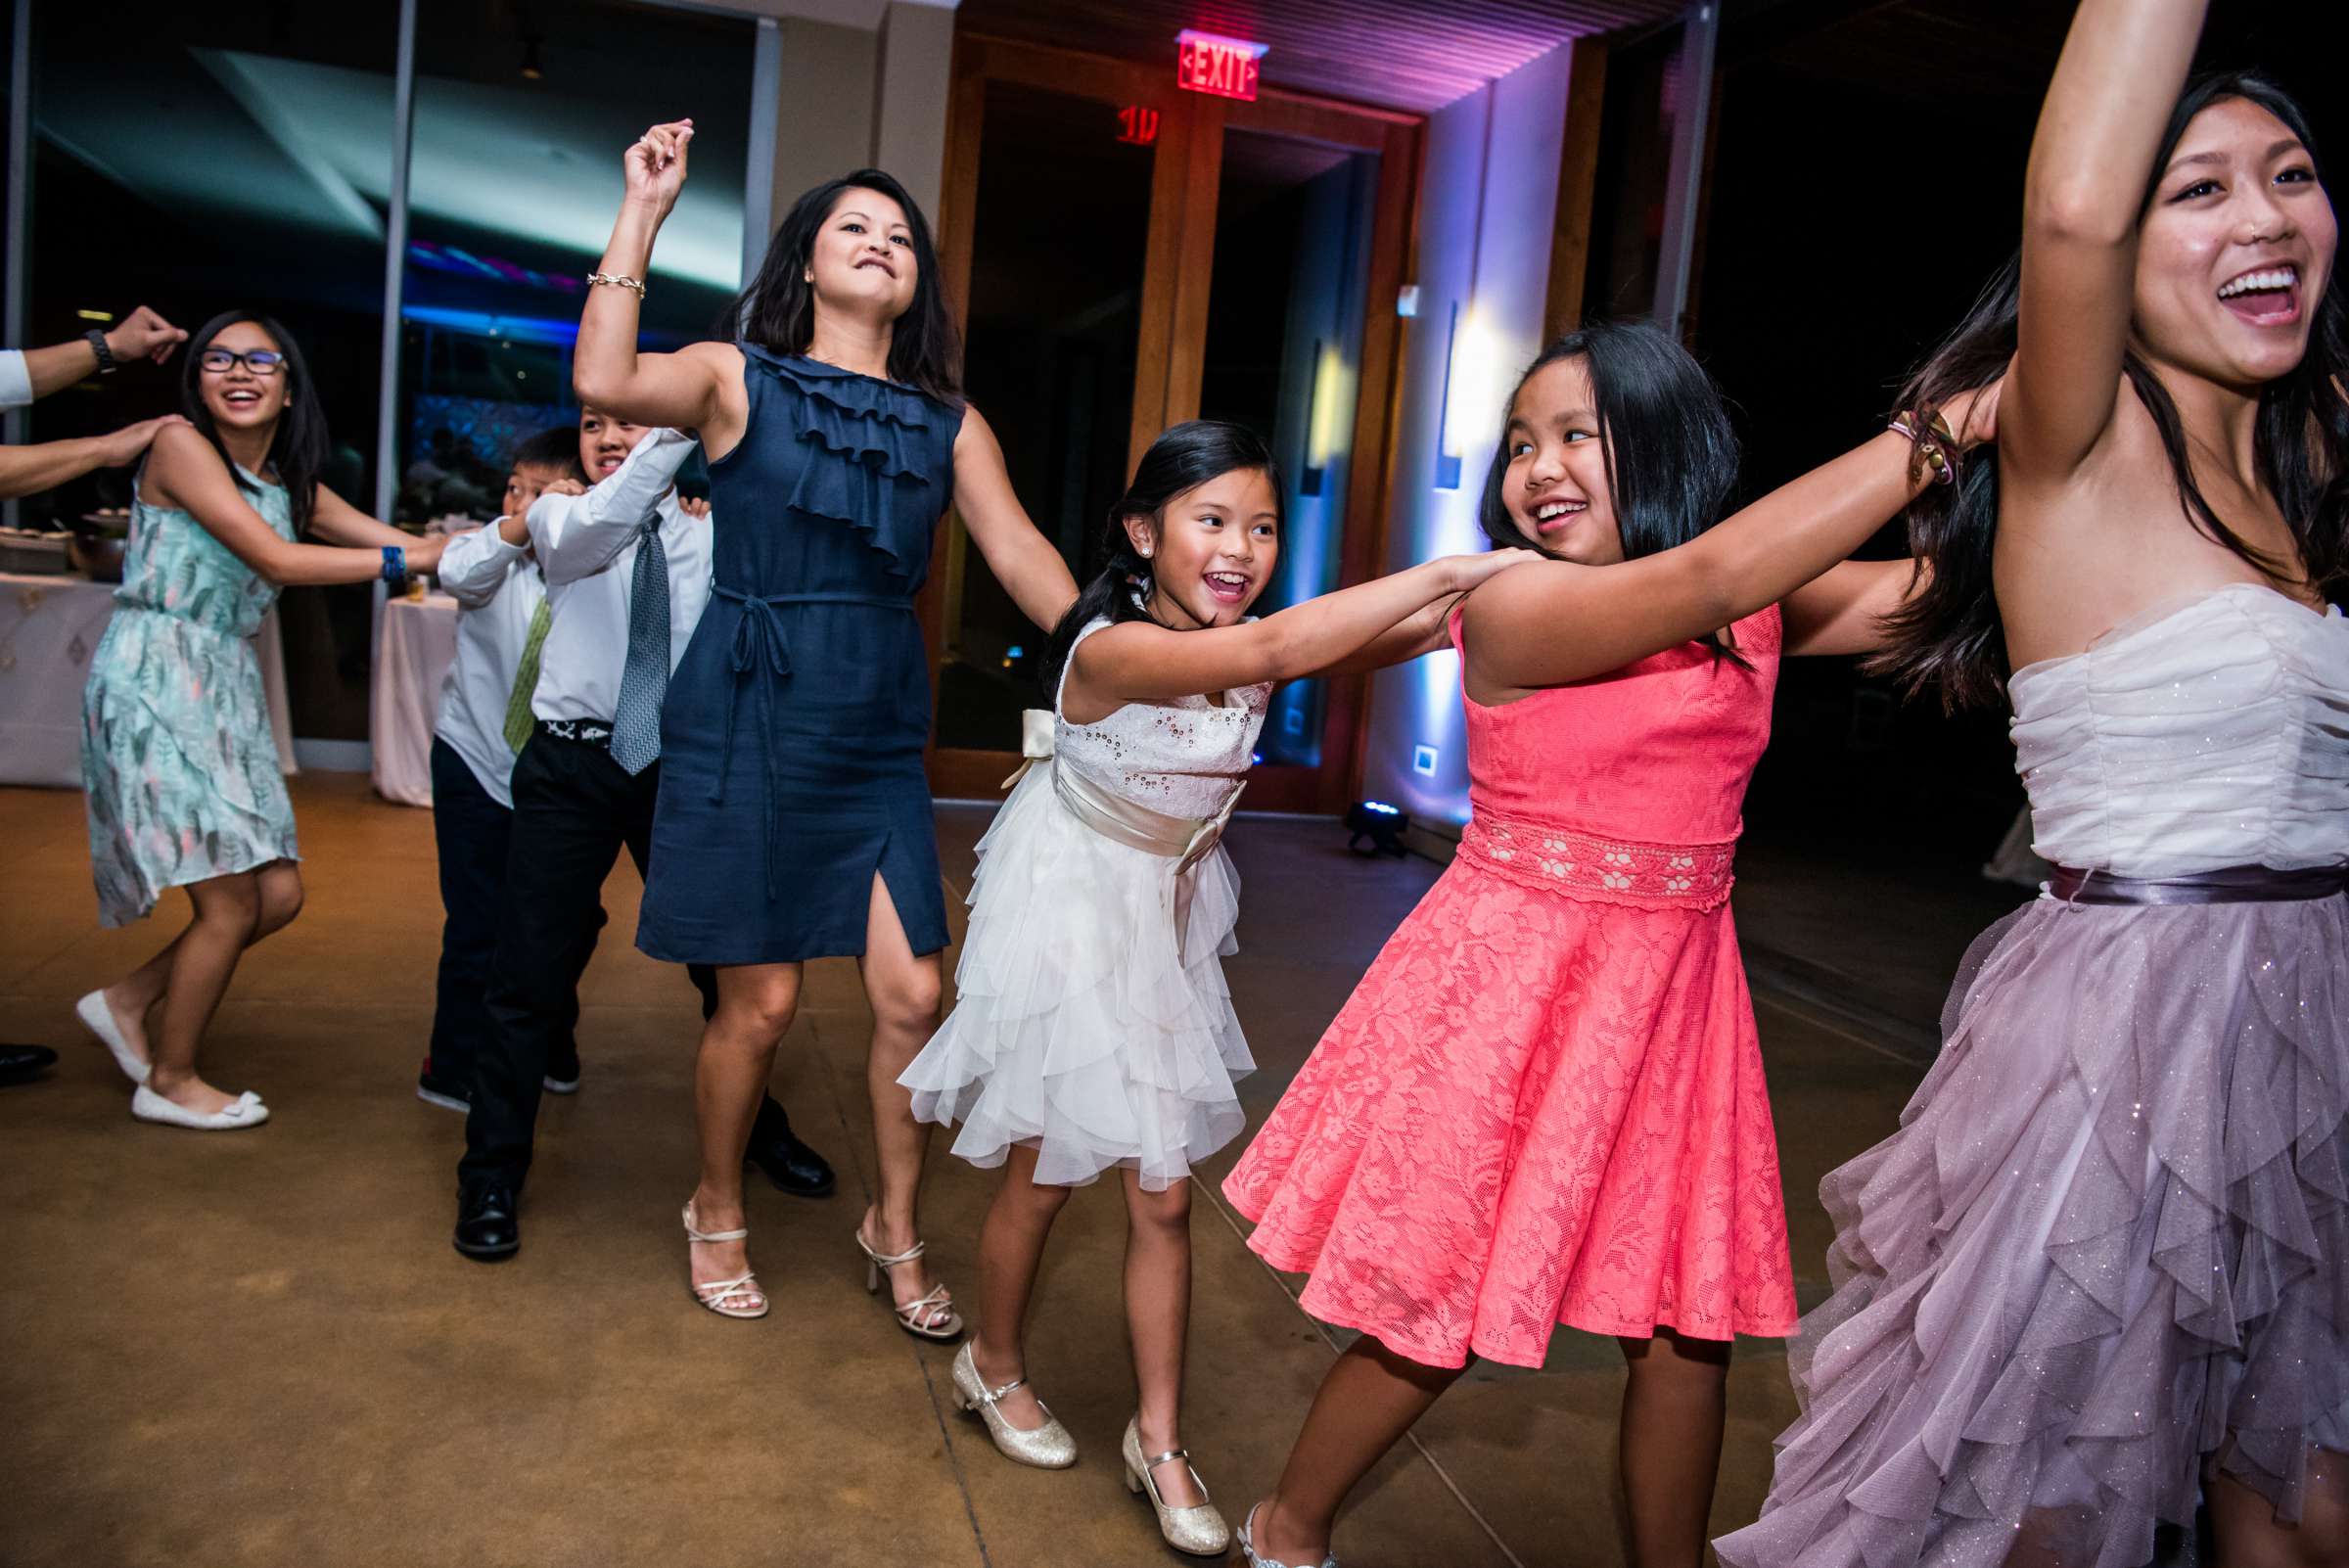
[
  {"x": 1092, "y": 1020},
  {"x": 2108, "y": 1245}
]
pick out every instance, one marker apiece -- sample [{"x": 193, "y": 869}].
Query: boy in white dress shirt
[
  {"x": 575, "y": 806},
  {"x": 502, "y": 619}
]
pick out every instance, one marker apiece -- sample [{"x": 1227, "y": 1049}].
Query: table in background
[
  {"x": 49, "y": 628},
  {"x": 415, "y": 644}
]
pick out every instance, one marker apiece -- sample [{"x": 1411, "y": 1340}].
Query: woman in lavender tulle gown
[{"x": 2101, "y": 1272}]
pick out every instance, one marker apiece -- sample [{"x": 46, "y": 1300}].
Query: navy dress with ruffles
[{"x": 792, "y": 736}]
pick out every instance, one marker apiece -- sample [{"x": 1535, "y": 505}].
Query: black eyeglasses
[{"x": 260, "y": 362}]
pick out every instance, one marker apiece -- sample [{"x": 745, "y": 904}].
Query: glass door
[{"x": 1130, "y": 257}]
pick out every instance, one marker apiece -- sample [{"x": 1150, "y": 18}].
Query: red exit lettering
[
  {"x": 1137, "y": 124},
  {"x": 1225, "y": 68}
]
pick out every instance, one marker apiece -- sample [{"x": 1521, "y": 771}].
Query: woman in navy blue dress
[{"x": 794, "y": 818}]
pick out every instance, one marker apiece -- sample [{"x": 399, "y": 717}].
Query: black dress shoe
[
  {"x": 21, "y": 1064},
  {"x": 487, "y": 1230},
  {"x": 792, "y": 1166}
]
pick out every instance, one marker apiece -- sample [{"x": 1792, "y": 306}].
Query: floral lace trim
[{"x": 1550, "y": 858}]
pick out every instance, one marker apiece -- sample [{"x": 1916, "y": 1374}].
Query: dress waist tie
[
  {"x": 760, "y": 640},
  {"x": 2235, "y": 884},
  {"x": 1184, "y": 841}
]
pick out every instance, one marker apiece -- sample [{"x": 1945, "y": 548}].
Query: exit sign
[{"x": 1224, "y": 66}]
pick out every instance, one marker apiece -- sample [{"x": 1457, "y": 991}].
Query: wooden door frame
[{"x": 1178, "y": 268}]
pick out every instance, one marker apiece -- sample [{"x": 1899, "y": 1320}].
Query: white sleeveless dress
[
  {"x": 2111, "y": 1236},
  {"x": 1091, "y": 1019}
]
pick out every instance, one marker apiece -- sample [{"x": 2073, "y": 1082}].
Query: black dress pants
[
  {"x": 472, "y": 834},
  {"x": 575, "y": 810}
]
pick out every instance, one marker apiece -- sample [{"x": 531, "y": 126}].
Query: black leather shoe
[
  {"x": 21, "y": 1064},
  {"x": 792, "y": 1166},
  {"x": 488, "y": 1229}
]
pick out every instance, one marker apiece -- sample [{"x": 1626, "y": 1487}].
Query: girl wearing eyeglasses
[{"x": 178, "y": 763}]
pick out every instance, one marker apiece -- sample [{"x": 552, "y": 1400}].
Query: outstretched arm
[
  {"x": 184, "y": 472},
  {"x": 1842, "y": 611},
  {"x": 679, "y": 389},
  {"x": 1140, "y": 661},
  {"x": 1424, "y": 630},
  {"x": 1022, "y": 559},
  {"x": 1557, "y": 623},
  {"x": 2100, "y": 130},
  {"x": 45, "y": 465}
]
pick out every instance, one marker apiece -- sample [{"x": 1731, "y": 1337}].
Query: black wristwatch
[{"x": 105, "y": 355}]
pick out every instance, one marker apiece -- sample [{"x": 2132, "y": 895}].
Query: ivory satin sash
[{"x": 1184, "y": 840}]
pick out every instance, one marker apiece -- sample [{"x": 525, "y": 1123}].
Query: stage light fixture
[{"x": 1382, "y": 824}]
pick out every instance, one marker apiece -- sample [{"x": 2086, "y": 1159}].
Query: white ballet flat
[
  {"x": 99, "y": 1020},
  {"x": 246, "y": 1110}
]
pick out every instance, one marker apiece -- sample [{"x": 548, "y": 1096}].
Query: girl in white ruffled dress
[{"x": 1093, "y": 1027}]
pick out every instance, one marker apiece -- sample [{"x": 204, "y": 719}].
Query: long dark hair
[
  {"x": 1182, "y": 459},
  {"x": 299, "y": 449},
  {"x": 1671, "y": 453},
  {"x": 777, "y": 310},
  {"x": 1949, "y": 634}
]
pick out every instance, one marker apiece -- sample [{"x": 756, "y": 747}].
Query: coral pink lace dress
[{"x": 1545, "y": 1103}]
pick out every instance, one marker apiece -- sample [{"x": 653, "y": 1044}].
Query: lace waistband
[{"x": 1550, "y": 858}]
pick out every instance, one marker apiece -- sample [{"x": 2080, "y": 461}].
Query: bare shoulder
[
  {"x": 178, "y": 456},
  {"x": 974, "y": 429}
]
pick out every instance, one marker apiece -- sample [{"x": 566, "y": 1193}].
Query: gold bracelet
[{"x": 594, "y": 278}]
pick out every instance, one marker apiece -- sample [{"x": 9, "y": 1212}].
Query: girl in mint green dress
[
  {"x": 178, "y": 763},
  {"x": 177, "y": 759}
]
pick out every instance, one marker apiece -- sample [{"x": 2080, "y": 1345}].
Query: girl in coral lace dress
[
  {"x": 1093, "y": 1030},
  {"x": 1545, "y": 1103}
]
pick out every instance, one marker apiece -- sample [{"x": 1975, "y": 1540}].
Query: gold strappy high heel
[
  {"x": 930, "y": 1317},
  {"x": 728, "y": 1298}
]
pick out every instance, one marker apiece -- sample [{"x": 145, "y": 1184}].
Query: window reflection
[
  {"x": 514, "y": 179},
  {"x": 200, "y": 158}
]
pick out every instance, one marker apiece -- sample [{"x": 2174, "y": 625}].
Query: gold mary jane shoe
[
  {"x": 1049, "y": 1446},
  {"x": 1199, "y": 1531}
]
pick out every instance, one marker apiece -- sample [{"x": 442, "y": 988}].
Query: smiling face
[
  {"x": 605, "y": 442},
  {"x": 862, "y": 258},
  {"x": 1211, "y": 549},
  {"x": 235, "y": 395},
  {"x": 2236, "y": 251},
  {"x": 1555, "y": 484}
]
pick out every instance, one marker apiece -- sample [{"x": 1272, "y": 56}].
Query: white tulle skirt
[{"x": 1088, "y": 1026}]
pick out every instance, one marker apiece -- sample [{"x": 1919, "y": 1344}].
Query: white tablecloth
[
  {"x": 415, "y": 644},
  {"x": 49, "y": 627}
]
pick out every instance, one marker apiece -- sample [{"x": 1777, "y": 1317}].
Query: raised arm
[
  {"x": 1022, "y": 559},
  {"x": 1140, "y": 661},
  {"x": 578, "y": 536},
  {"x": 680, "y": 389},
  {"x": 2098, "y": 132},
  {"x": 45, "y": 465},
  {"x": 184, "y": 472}
]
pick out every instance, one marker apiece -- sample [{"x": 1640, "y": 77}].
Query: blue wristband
[{"x": 396, "y": 563}]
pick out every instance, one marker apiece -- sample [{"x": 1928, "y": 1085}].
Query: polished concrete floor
[{"x": 260, "y": 1349}]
